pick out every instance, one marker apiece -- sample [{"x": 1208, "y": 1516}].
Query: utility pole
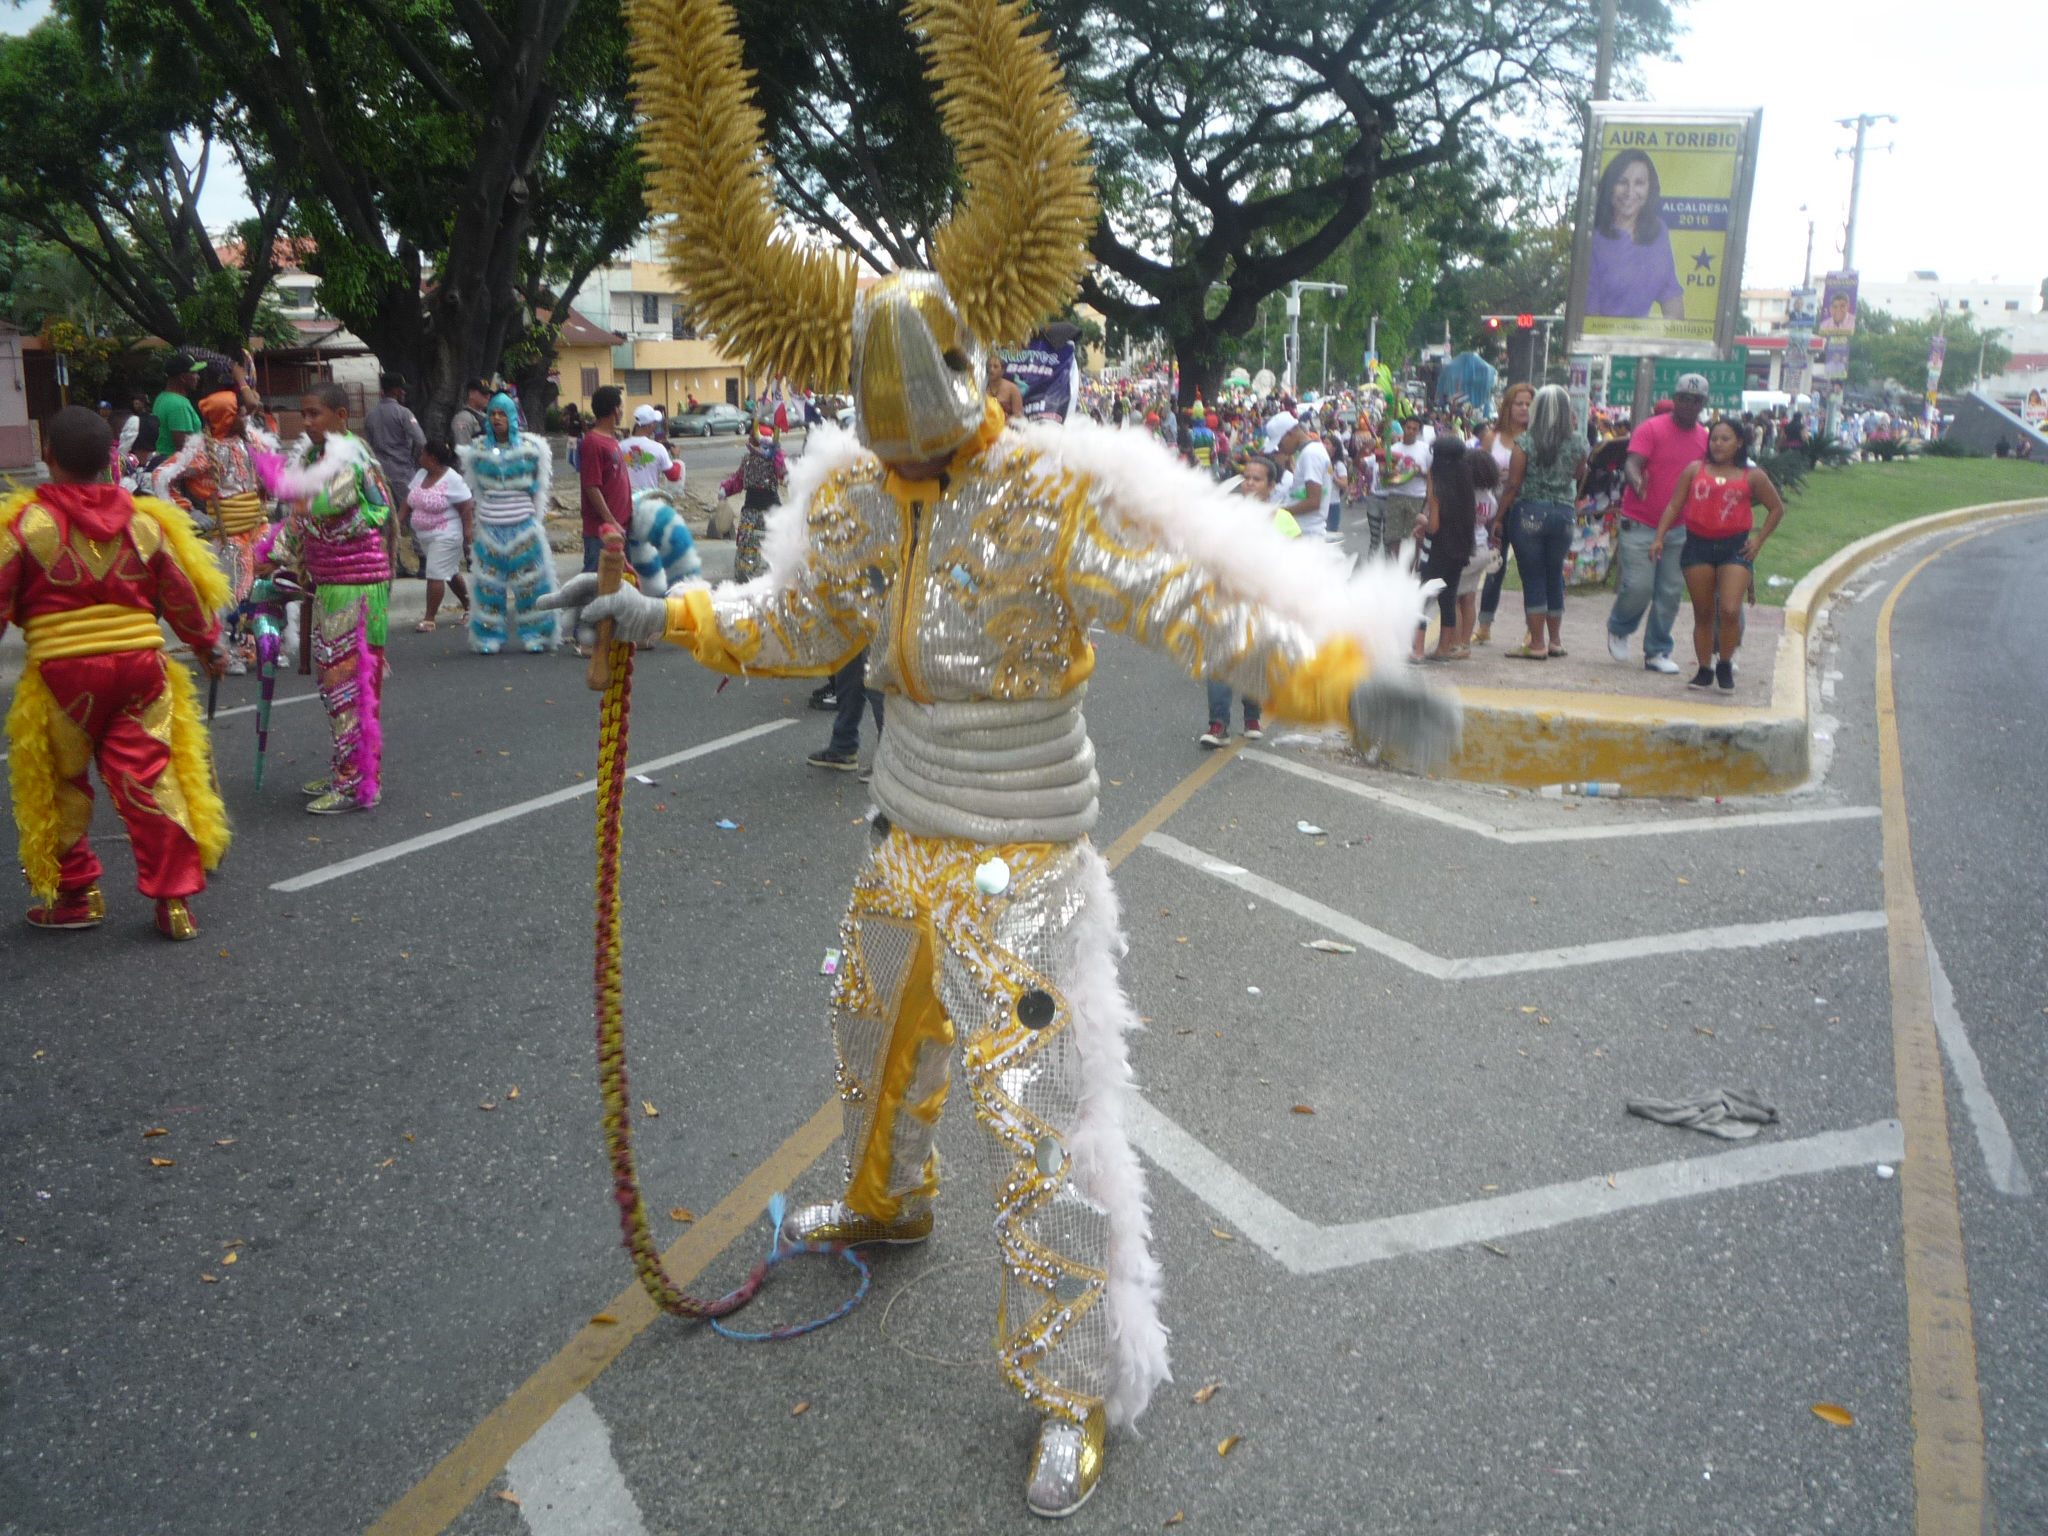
[
  {"x": 1862, "y": 123},
  {"x": 1807, "y": 280},
  {"x": 1295, "y": 290}
]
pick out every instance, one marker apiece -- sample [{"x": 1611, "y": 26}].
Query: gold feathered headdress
[{"x": 1010, "y": 254}]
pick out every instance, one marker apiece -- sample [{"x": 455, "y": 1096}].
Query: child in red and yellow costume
[{"x": 85, "y": 570}]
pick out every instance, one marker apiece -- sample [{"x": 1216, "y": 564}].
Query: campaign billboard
[{"x": 1662, "y": 219}]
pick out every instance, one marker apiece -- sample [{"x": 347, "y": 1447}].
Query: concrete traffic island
[{"x": 1590, "y": 718}]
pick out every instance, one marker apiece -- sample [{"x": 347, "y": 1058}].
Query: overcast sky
[{"x": 1956, "y": 195}]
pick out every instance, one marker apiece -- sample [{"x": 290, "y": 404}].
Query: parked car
[{"x": 709, "y": 421}]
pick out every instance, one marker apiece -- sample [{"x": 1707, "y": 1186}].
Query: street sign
[{"x": 1725, "y": 381}]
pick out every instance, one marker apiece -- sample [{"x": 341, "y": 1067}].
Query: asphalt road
[{"x": 335, "y": 1068}]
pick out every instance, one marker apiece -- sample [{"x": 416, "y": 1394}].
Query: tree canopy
[
  {"x": 110, "y": 145},
  {"x": 1886, "y": 349}
]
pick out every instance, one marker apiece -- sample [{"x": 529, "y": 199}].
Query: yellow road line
[
  {"x": 467, "y": 1470},
  {"x": 1941, "y": 1344},
  {"x": 1171, "y": 802},
  {"x": 438, "y": 1498}
]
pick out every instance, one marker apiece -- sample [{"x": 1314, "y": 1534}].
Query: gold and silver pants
[{"x": 1022, "y": 985}]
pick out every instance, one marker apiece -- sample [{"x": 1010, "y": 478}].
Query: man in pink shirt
[{"x": 1658, "y": 453}]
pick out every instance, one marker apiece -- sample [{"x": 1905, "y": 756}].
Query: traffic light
[
  {"x": 1526, "y": 322},
  {"x": 1493, "y": 322}
]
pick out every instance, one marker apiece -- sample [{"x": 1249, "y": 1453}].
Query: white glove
[
  {"x": 1400, "y": 713},
  {"x": 636, "y": 618}
]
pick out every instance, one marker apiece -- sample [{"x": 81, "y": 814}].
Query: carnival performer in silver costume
[{"x": 972, "y": 561}]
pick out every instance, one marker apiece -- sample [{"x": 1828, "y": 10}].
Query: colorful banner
[
  {"x": 1837, "y": 316},
  {"x": 1045, "y": 373},
  {"x": 1658, "y": 253}
]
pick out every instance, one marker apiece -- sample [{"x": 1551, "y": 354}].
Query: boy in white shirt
[{"x": 649, "y": 464}]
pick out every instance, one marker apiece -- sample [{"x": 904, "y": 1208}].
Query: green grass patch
[{"x": 1836, "y": 507}]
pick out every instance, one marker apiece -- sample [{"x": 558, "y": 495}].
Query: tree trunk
[{"x": 1200, "y": 357}]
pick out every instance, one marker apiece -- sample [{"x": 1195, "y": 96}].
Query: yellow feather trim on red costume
[{"x": 32, "y": 779}]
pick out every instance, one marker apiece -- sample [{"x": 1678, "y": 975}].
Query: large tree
[
  {"x": 1240, "y": 144},
  {"x": 423, "y": 131},
  {"x": 109, "y": 148}
]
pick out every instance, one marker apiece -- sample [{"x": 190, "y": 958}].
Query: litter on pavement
[
  {"x": 1308, "y": 829},
  {"x": 1724, "y": 1113},
  {"x": 1330, "y": 946},
  {"x": 725, "y": 825},
  {"x": 830, "y": 966}
]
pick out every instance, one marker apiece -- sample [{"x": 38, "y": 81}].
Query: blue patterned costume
[
  {"x": 509, "y": 474},
  {"x": 659, "y": 545}
]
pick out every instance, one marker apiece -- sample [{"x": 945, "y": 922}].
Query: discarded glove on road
[{"x": 1724, "y": 1113}]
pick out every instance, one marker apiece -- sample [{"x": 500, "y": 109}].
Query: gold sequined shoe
[
  {"x": 313, "y": 789},
  {"x": 1066, "y": 1464},
  {"x": 834, "y": 1223},
  {"x": 335, "y": 803},
  {"x": 174, "y": 919},
  {"x": 74, "y": 909}
]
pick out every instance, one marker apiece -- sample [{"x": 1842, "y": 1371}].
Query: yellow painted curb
[{"x": 1681, "y": 747}]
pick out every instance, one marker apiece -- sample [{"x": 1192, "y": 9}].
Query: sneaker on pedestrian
[
  {"x": 842, "y": 762},
  {"x": 335, "y": 802},
  {"x": 1724, "y": 674},
  {"x": 824, "y": 698},
  {"x": 1215, "y": 736},
  {"x": 237, "y": 667},
  {"x": 1253, "y": 730},
  {"x": 1617, "y": 646},
  {"x": 866, "y": 774},
  {"x": 1704, "y": 678},
  {"x": 1662, "y": 664},
  {"x": 313, "y": 789}
]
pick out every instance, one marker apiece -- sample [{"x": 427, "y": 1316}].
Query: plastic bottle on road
[{"x": 1601, "y": 789}]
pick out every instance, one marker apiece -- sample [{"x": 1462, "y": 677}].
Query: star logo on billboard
[{"x": 1703, "y": 260}]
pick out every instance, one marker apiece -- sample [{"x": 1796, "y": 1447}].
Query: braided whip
[{"x": 611, "y": 674}]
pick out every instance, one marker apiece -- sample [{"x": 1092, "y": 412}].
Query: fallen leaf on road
[
  {"x": 681, "y": 1213},
  {"x": 1495, "y": 1248},
  {"x": 210, "y": 1279},
  {"x": 1489, "y": 1186},
  {"x": 387, "y": 1162},
  {"x": 1683, "y": 881},
  {"x": 1303, "y": 1109},
  {"x": 159, "y": 1131},
  {"x": 1228, "y": 1444},
  {"x": 604, "y": 1319},
  {"x": 1528, "y": 1010},
  {"x": 408, "y": 1135},
  {"x": 229, "y": 1258},
  {"x": 487, "y": 1106},
  {"x": 1182, "y": 939},
  {"x": 514, "y": 1093},
  {"x": 1208, "y": 1392},
  {"x": 225, "y": 1141},
  {"x": 1541, "y": 1020},
  {"x": 509, "y": 1498},
  {"x": 163, "y": 1162},
  {"x": 1178, "y": 1516},
  {"x": 1696, "y": 1029},
  {"x": 648, "y": 1109},
  {"x": 1841, "y": 1417},
  {"x": 1227, "y": 1237},
  {"x": 1610, "y": 1182},
  {"x": 799, "y": 1408}
]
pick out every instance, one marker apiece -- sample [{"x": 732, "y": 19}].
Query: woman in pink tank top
[{"x": 1717, "y": 498}]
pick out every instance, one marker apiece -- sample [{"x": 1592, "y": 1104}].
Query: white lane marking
[
  {"x": 1588, "y": 834},
  {"x": 567, "y": 1481},
  {"x": 245, "y": 709},
  {"x": 1306, "y": 1248},
  {"x": 507, "y": 813},
  {"x": 1734, "y": 936},
  {"x": 2001, "y": 1159}
]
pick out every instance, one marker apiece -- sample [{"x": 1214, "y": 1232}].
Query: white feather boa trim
[
  {"x": 1105, "y": 1165},
  {"x": 297, "y": 478},
  {"x": 1306, "y": 580}
]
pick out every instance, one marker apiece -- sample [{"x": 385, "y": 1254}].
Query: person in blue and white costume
[
  {"x": 509, "y": 473},
  {"x": 659, "y": 546}
]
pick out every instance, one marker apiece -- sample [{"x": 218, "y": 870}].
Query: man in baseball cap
[{"x": 1658, "y": 452}]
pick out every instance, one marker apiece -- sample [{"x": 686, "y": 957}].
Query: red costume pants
[{"x": 117, "y": 712}]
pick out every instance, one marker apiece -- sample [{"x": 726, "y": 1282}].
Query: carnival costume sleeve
[{"x": 830, "y": 560}]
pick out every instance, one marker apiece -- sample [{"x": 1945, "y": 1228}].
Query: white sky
[
  {"x": 1963, "y": 78},
  {"x": 1956, "y": 196}
]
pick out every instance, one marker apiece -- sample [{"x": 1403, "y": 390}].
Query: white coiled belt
[{"x": 992, "y": 771}]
